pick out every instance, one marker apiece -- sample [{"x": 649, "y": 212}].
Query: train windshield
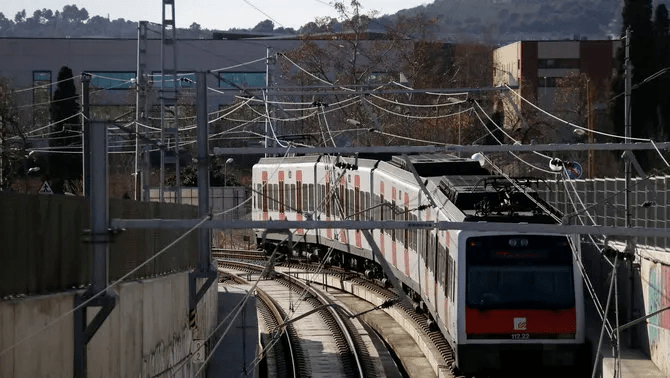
[{"x": 519, "y": 271}]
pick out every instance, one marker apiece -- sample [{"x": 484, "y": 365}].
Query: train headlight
[{"x": 518, "y": 242}]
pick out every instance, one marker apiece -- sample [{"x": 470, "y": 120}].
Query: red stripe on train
[{"x": 507, "y": 321}]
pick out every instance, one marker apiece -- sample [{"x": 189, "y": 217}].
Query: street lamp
[
  {"x": 28, "y": 173},
  {"x": 225, "y": 171}
]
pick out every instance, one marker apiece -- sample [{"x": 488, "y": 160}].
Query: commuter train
[{"x": 502, "y": 299}]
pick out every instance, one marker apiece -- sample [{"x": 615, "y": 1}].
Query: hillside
[
  {"x": 493, "y": 21},
  {"x": 508, "y": 20}
]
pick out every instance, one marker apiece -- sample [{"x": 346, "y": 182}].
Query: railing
[
  {"x": 603, "y": 201},
  {"x": 43, "y": 246}
]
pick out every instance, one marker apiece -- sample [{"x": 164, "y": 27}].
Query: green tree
[
  {"x": 266, "y": 26},
  {"x": 662, "y": 31},
  {"x": 65, "y": 164},
  {"x": 644, "y": 58}
]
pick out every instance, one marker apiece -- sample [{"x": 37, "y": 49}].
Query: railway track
[
  {"x": 238, "y": 254},
  {"x": 405, "y": 313},
  {"x": 431, "y": 343},
  {"x": 280, "y": 310}
]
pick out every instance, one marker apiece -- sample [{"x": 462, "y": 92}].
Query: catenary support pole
[
  {"x": 205, "y": 239},
  {"x": 86, "y": 125},
  {"x": 630, "y": 246}
]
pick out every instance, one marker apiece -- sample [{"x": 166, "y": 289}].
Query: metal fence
[
  {"x": 226, "y": 202},
  {"x": 44, "y": 249},
  {"x": 602, "y": 201}
]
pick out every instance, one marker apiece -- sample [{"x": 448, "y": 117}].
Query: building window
[
  {"x": 41, "y": 97},
  {"x": 185, "y": 79},
  {"x": 241, "y": 79},
  {"x": 558, "y": 63},
  {"x": 547, "y": 82},
  {"x": 112, "y": 80}
]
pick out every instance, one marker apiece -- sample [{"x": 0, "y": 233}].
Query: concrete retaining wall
[{"x": 146, "y": 335}]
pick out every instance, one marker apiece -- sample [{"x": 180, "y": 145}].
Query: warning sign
[{"x": 46, "y": 189}]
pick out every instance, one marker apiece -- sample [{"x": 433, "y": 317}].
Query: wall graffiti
[{"x": 659, "y": 298}]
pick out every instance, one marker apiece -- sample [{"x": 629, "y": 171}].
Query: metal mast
[
  {"x": 169, "y": 95},
  {"x": 627, "y": 116},
  {"x": 141, "y": 150}
]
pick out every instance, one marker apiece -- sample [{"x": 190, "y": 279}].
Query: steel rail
[{"x": 330, "y": 306}]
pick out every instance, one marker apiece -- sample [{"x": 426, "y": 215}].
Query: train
[{"x": 501, "y": 299}]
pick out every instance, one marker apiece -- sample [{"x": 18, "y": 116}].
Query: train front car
[
  {"x": 523, "y": 303},
  {"x": 520, "y": 301}
]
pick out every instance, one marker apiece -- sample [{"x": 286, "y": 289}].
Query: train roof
[
  {"x": 480, "y": 195},
  {"x": 432, "y": 165},
  {"x": 497, "y": 198}
]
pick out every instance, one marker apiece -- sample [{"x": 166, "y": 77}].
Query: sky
[{"x": 211, "y": 14}]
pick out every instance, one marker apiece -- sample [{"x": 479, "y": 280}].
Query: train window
[
  {"x": 441, "y": 263},
  {"x": 433, "y": 257},
  {"x": 343, "y": 202},
  {"x": 300, "y": 196},
  {"x": 453, "y": 279},
  {"x": 535, "y": 273},
  {"x": 293, "y": 199},
  {"x": 350, "y": 202},
  {"x": 265, "y": 196},
  {"x": 257, "y": 202},
  {"x": 311, "y": 199},
  {"x": 281, "y": 196},
  {"x": 327, "y": 198},
  {"x": 381, "y": 207},
  {"x": 406, "y": 233},
  {"x": 450, "y": 275},
  {"x": 425, "y": 247},
  {"x": 320, "y": 202},
  {"x": 367, "y": 205},
  {"x": 394, "y": 211},
  {"x": 269, "y": 196},
  {"x": 273, "y": 197},
  {"x": 357, "y": 203}
]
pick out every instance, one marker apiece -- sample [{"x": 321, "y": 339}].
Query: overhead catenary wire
[
  {"x": 413, "y": 116},
  {"x": 515, "y": 141}
]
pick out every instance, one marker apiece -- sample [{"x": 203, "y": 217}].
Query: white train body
[{"x": 432, "y": 264}]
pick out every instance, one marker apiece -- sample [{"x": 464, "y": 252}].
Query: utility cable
[
  {"x": 415, "y": 117},
  {"x": 46, "y": 85},
  {"x": 238, "y": 65}
]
